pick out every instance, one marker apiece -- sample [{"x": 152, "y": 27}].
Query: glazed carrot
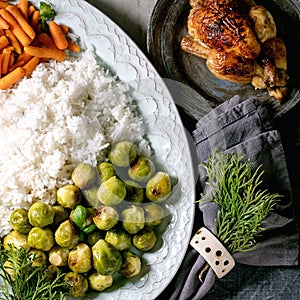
[
  {"x": 73, "y": 47},
  {"x": 23, "y": 7},
  {"x": 21, "y": 60},
  {"x": 3, "y": 4},
  {"x": 11, "y": 78},
  {"x": 58, "y": 36},
  {"x": 15, "y": 27},
  {"x": 64, "y": 28},
  {"x": 46, "y": 40},
  {"x": 30, "y": 66},
  {"x": 45, "y": 53},
  {"x": 35, "y": 18},
  {"x": 3, "y": 41},
  {"x": 5, "y": 59},
  {"x": 13, "y": 40},
  {"x": 3, "y": 23},
  {"x": 21, "y": 20},
  {"x": 31, "y": 10}
]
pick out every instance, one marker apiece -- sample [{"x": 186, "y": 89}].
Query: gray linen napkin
[{"x": 246, "y": 127}]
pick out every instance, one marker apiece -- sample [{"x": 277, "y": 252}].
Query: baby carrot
[
  {"x": 23, "y": 6},
  {"x": 46, "y": 40},
  {"x": 3, "y": 41},
  {"x": 45, "y": 53},
  {"x": 21, "y": 20},
  {"x": 3, "y": 23},
  {"x": 35, "y": 18},
  {"x": 30, "y": 66},
  {"x": 15, "y": 27},
  {"x": 73, "y": 47},
  {"x": 58, "y": 36},
  {"x": 11, "y": 78},
  {"x": 5, "y": 60},
  {"x": 13, "y": 40}
]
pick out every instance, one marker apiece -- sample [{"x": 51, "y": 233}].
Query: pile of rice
[{"x": 64, "y": 113}]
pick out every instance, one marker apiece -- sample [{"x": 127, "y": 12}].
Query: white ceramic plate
[{"x": 166, "y": 134}]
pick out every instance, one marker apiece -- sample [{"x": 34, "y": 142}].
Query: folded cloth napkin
[{"x": 245, "y": 127}]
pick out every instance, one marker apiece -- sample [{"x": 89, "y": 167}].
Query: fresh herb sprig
[
  {"x": 21, "y": 280},
  {"x": 47, "y": 13},
  {"x": 235, "y": 187}
]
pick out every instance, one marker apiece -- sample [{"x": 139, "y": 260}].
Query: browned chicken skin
[{"x": 238, "y": 40}]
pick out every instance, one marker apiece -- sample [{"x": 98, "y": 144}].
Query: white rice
[{"x": 65, "y": 112}]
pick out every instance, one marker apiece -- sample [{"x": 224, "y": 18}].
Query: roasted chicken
[{"x": 238, "y": 40}]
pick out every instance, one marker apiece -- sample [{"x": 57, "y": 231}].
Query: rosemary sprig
[
  {"x": 243, "y": 205},
  {"x": 21, "y": 280}
]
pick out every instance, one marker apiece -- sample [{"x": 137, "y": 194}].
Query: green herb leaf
[
  {"x": 79, "y": 216},
  {"x": 89, "y": 229},
  {"x": 46, "y": 12}
]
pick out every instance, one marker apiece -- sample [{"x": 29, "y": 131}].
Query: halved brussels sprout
[
  {"x": 39, "y": 258},
  {"x": 58, "y": 256}
]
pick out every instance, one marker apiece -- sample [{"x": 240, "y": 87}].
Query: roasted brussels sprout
[
  {"x": 76, "y": 284},
  {"x": 66, "y": 235},
  {"x": 16, "y": 240},
  {"x": 80, "y": 258},
  {"x": 158, "y": 187},
  {"x": 145, "y": 239},
  {"x": 106, "y": 170},
  {"x": 133, "y": 219},
  {"x": 131, "y": 265},
  {"x": 100, "y": 282},
  {"x": 154, "y": 214},
  {"x": 19, "y": 220},
  {"x": 41, "y": 214},
  {"x": 39, "y": 258},
  {"x": 61, "y": 215},
  {"x": 112, "y": 191},
  {"x": 92, "y": 238},
  {"x": 134, "y": 194},
  {"x": 107, "y": 260},
  {"x": 122, "y": 154},
  {"x": 69, "y": 196},
  {"x": 90, "y": 196},
  {"x": 58, "y": 256},
  {"x": 141, "y": 170},
  {"x": 84, "y": 175},
  {"x": 41, "y": 238},
  {"x": 106, "y": 217},
  {"x": 120, "y": 239}
]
